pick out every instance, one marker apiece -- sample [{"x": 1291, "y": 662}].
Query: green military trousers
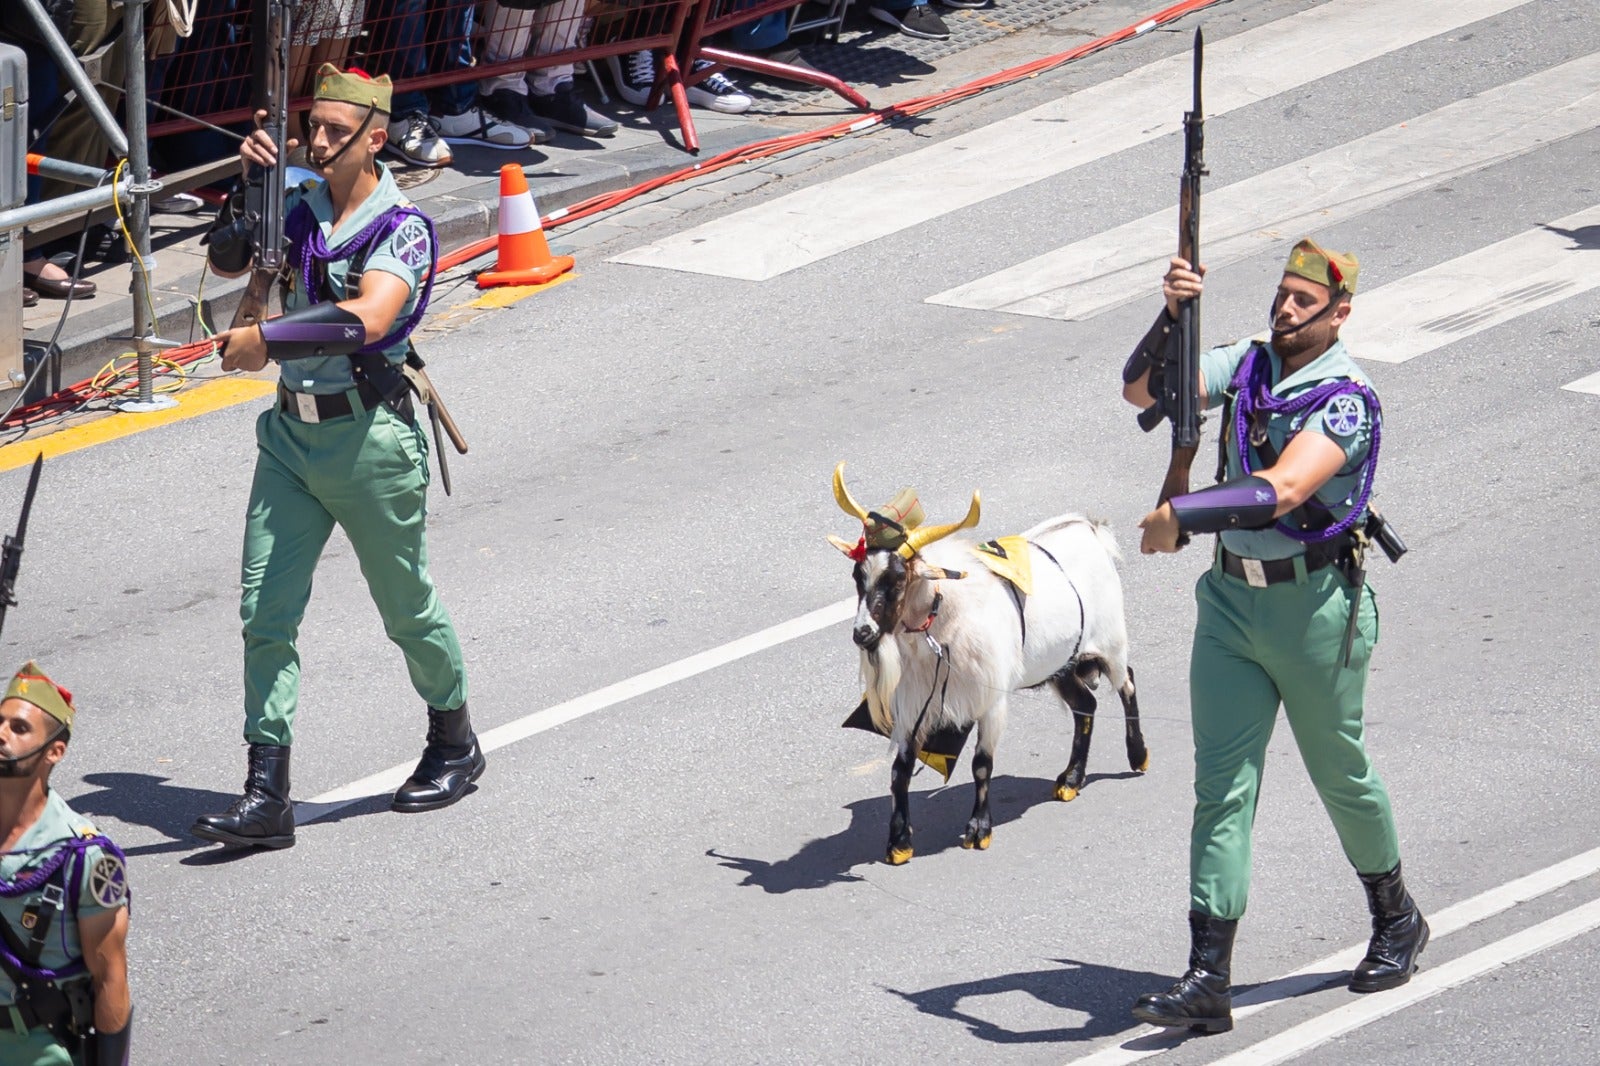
[
  {"x": 33, "y": 1047},
  {"x": 1255, "y": 648},
  {"x": 368, "y": 473}
]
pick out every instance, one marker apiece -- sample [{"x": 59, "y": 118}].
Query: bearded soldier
[
  {"x": 1285, "y": 616},
  {"x": 63, "y": 899},
  {"x": 341, "y": 445}
]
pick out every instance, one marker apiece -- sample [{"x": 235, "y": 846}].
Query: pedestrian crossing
[{"x": 1260, "y": 215}]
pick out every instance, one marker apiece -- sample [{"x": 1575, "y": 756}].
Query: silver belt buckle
[
  {"x": 1254, "y": 572},
  {"x": 306, "y": 404}
]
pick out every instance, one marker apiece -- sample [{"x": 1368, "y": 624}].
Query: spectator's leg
[
  {"x": 505, "y": 96},
  {"x": 76, "y": 136},
  {"x": 554, "y": 96},
  {"x": 916, "y": 19},
  {"x": 399, "y": 49}
]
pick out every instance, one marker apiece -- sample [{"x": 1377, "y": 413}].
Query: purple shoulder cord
[
  {"x": 72, "y": 849},
  {"x": 1253, "y": 394},
  {"x": 308, "y": 245}
]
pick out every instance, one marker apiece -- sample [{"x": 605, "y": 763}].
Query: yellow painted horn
[
  {"x": 922, "y": 536},
  {"x": 846, "y": 502}
]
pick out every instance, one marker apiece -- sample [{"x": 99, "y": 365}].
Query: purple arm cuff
[
  {"x": 319, "y": 329},
  {"x": 1248, "y": 503}
]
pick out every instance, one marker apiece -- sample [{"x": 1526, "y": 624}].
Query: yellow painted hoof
[
  {"x": 899, "y": 856},
  {"x": 984, "y": 841},
  {"x": 1142, "y": 767},
  {"x": 1066, "y": 794}
]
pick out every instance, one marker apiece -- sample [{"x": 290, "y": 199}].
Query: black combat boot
[
  {"x": 1201, "y": 999},
  {"x": 450, "y": 762},
  {"x": 1399, "y": 933},
  {"x": 263, "y": 817}
]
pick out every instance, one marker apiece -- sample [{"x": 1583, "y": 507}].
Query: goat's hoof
[
  {"x": 898, "y": 856},
  {"x": 1066, "y": 793},
  {"x": 969, "y": 841},
  {"x": 1143, "y": 765}
]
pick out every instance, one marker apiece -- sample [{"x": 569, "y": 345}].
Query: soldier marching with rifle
[
  {"x": 342, "y": 444},
  {"x": 64, "y": 893},
  {"x": 1285, "y": 613}
]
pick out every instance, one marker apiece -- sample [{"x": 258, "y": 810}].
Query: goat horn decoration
[
  {"x": 922, "y": 536},
  {"x": 846, "y": 502}
]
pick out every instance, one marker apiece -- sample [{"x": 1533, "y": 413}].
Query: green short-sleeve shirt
[
  {"x": 1345, "y": 420},
  {"x": 102, "y": 885},
  {"x": 406, "y": 253}
]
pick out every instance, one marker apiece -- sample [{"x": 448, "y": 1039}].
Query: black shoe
[
  {"x": 918, "y": 21},
  {"x": 1399, "y": 933},
  {"x": 1202, "y": 998},
  {"x": 263, "y": 817},
  {"x": 564, "y": 109},
  {"x": 634, "y": 75},
  {"x": 450, "y": 763}
]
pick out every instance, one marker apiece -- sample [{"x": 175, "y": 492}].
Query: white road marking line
[
  {"x": 1589, "y": 384},
  {"x": 1477, "y": 291},
  {"x": 1148, "y": 1041},
  {"x": 821, "y": 220},
  {"x": 539, "y": 721},
  {"x": 1273, "y": 208},
  {"x": 1426, "y": 984}
]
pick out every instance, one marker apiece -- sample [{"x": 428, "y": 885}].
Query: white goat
[{"x": 942, "y": 649}]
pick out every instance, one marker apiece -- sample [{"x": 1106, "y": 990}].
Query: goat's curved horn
[
  {"x": 922, "y": 536},
  {"x": 846, "y": 502}
]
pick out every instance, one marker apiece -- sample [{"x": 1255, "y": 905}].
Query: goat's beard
[{"x": 880, "y": 670}]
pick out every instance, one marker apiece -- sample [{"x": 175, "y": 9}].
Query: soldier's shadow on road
[
  {"x": 1104, "y": 993},
  {"x": 155, "y": 802},
  {"x": 1583, "y": 238},
  {"x": 937, "y": 821}
]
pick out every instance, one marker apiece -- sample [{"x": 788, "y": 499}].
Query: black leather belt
[
  {"x": 1263, "y": 572},
  {"x": 315, "y": 407}
]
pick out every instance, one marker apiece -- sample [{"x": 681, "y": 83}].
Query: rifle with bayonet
[
  {"x": 11, "y": 553},
  {"x": 264, "y": 192},
  {"x": 1175, "y": 365}
]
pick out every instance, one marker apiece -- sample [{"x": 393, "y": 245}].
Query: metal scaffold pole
[{"x": 142, "y": 188}]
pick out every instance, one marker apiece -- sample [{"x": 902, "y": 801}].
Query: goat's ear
[
  {"x": 928, "y": 572},
  {"x": 843, "y": 545}
]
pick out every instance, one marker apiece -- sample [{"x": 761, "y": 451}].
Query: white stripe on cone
[{"x": 519, "y": 214}]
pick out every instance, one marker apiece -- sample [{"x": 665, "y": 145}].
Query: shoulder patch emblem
[
  {"x": 1345, "y": 415},
  {"x": 411, "y": 244},
  {"x": 108, "y": 882}
]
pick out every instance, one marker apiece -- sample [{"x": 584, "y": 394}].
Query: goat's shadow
[
  {"x": 937, "y": 820},
  {"x": 1104, "y": 993},
  {"x": 1584, "y": 238}
]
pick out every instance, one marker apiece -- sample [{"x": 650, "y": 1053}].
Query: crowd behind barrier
[{"x": 493, "y": 72}]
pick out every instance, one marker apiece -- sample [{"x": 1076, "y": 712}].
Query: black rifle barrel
[
  {"x": 264, "y": 193},
  {"x": 11, "y": 553}
]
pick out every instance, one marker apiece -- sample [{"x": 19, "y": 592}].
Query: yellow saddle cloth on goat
[{"x": 1009, "y": 558}]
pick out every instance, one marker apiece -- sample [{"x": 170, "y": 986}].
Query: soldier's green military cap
[
  {"x": 354, "y": 86},
  {"x": 886, "y": 526},
  {"x": 1336, "y": 270},
  {"x": 31, "y": 686}
]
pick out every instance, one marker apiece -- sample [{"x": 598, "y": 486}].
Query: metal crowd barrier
[{"x": 428, "y": 46}]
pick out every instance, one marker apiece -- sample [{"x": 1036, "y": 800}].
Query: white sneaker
[
  {"x": 413, "y": 138},
  {"x": 634, "y": 76},
  {"x": 717, "y": 93},
  {"x": 477, "y": 126}
]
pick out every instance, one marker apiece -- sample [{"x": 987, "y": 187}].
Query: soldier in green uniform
[
  {"x": 63, "y": 899},
  {"x": 1285, "y": 617},
  {"x": 341, "y": 445}
]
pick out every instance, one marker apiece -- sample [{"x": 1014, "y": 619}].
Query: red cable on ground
[{"x": 83, "y": 392}]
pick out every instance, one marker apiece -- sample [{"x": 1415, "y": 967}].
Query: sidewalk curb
[{"x": 459, "y": 217}]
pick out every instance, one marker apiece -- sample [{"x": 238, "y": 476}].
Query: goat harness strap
[{"x": 938, "y": 601}]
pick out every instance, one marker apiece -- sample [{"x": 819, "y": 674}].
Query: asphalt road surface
[{"x": 686, "y": 868}]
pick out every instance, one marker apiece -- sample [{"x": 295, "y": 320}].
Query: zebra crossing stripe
[
  {"x": 1477, "y": 291},
  {"x": 821, "y": 220},
  {"x": 1277, "y": 206}
]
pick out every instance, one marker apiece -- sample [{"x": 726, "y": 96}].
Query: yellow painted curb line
[
  {"x": 507, "y": 295},
  {"x": 199, "y": 400}
]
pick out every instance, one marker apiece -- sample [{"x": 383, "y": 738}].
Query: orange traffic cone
[{"x": 523, "y": 254}]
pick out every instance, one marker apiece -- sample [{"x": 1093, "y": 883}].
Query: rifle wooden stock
[{"x": 253, "y": 304}]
